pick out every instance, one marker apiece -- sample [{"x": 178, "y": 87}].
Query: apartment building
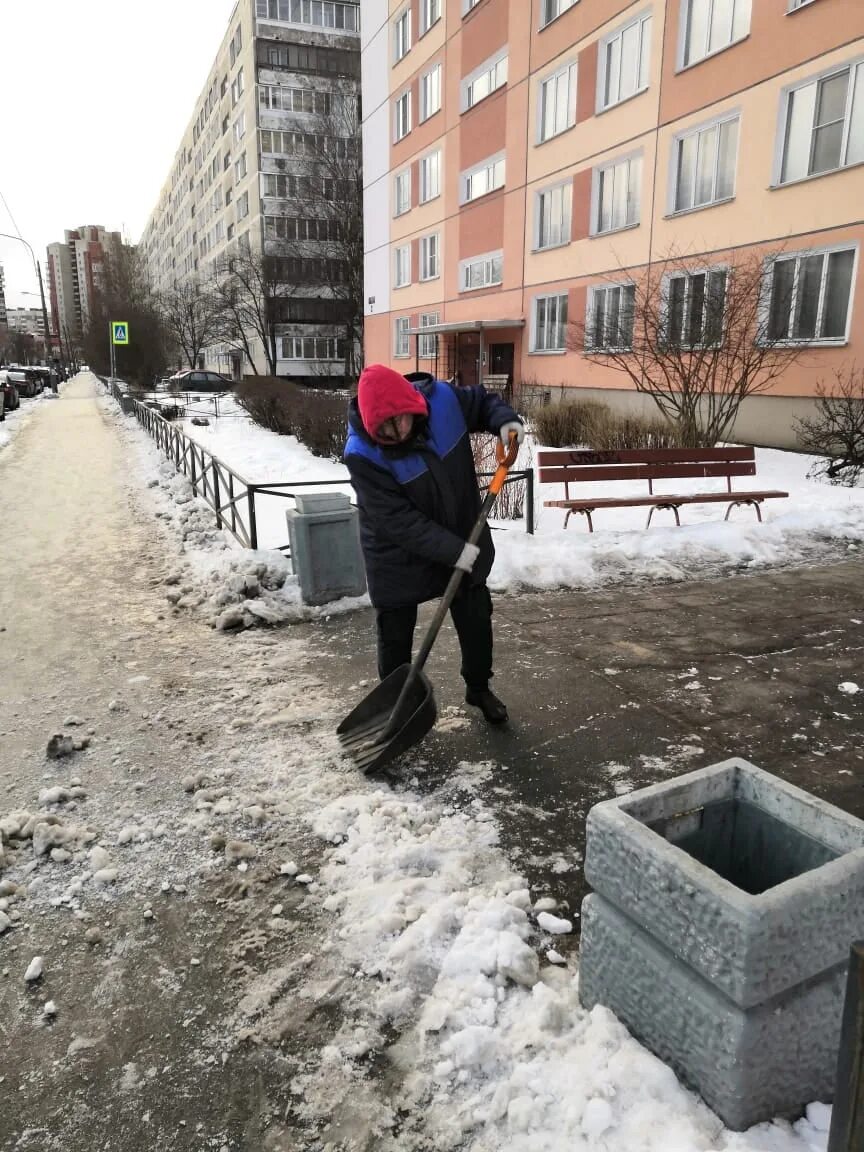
[
  {"x": 76, "y": 274},
  {"x": 3, "y": 317},
  {"x": 239, "y": 181},
  {"x": 525, "y": 161}
]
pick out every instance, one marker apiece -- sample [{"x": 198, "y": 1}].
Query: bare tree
[
  {"x": 321, "y": 247},
  {"x": 192, "y": 317},
  {"x": 248, "y": 283},
  {"x": 836, "y": 431},
  {"x": 698, "y": 341}
]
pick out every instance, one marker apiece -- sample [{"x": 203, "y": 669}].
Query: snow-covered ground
[
  {"x": 16, "y": 420},
  {"x": 816, "y": 517},
  {"x": 434, "y": 937}
]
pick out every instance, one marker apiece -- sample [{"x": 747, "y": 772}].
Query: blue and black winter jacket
[{"x": 418, "y": 501}]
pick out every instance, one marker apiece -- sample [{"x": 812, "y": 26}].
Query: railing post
[
  {"x": 192, "y": 472},
  {"x": 529, "y": 501},
  {"x": 253, "y": 522},
  {"x": 216, "y": 500},
  {"x": 847, "y": 1116}
]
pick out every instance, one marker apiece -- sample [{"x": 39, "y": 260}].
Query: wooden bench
[{"x": 562, "y": 466}]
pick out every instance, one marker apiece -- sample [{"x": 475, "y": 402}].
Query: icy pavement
[{"x": 243, "y": 945}]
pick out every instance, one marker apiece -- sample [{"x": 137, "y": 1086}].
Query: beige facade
[{"x": 581, "y": 143}]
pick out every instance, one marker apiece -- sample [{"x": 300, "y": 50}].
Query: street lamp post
[{"x": 36, "y": 265}]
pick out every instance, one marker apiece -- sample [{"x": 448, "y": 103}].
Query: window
[
  {"x": 553, "y": 216},
  {"x": 237, "y": 88},
  {"x": 610, "y": 318},
  {"x": 430, "y": 176},
  {"x": 427, "y": 346},
  {"x": 705, "y": 163},
  {"x": 317, "y": 13},
  {"x": 402, "y": 266},
  {"x": 240, "y": 127},
  {"x": 429, "y": 253},
  {"x": 481, "y": 272},
  {"x": 284, "y": 98},
  {"x": 487, "y": 78},
  {"x": 694, "y": 309},
  {"x": 313, "y": 348},
  {"x": 625, "y": 62},
  {"x": 557, "y": 109},
  {"x": 486, "y": 178},
  {"x": 300, "y": 228},
  {"x": 226, "y": 163},
  {"x": 824, "y": 125},
  {"x": 402, "y": 116},
  {"x": 430, "y": 13},
  {"x": 617, "y": 195},
  {"x": 240, "y": 168},
  {"x": 401, "y": 35},
  {"x": 811, "y": 296},
  {"x": 467, "y": 5},
  {"x": 402, "y": 192},
  {"x": 550, "y": 324},
  {"x": 794, "y": 5},
  {"x": 430, "y": 93},
  {"x": 551, "y": 9},
  {"x": 226, "y": 121},
  {"x": 229, "y": 233},
  {"x": 711, "y": 25},
  {"x": 400, "y": 330},
  {"x": 243, "y": 206}
]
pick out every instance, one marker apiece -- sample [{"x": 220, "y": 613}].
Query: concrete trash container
[
  {"x": 324, "y": 534},
  {"x": 724, "y": 905}
]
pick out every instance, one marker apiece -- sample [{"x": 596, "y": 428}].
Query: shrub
[
  {"x": 568, "y": 424},
  {"x": 596, "y": 425},
  {"x": 836, "y": 432},
  {"x": 318, "y": 419}
]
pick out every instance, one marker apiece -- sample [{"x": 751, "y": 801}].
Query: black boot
[{"x": 492, "y": 708}]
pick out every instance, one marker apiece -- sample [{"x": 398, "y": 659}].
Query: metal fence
[{"x": 231, "y": 496}]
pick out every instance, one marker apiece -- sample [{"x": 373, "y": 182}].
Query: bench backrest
[{"x": 563, "y": 465}]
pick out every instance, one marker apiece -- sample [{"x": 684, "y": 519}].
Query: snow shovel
[{"x": 401, "y": 710}]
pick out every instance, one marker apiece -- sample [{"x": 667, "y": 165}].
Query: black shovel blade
[{"x": 364, "y": 732}]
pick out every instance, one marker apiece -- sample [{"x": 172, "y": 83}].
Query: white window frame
[
  {"x": 850, "y": 66},
  {"x": 240, "y": 127},
  {"x": 597, "y": 182},
  {"x": 425, "y": 349},
  {"x": 733, "y": 115},
  {"x": 468, "y": 6},
  {"x": 688, "y": 276},
  {"x": 397, "y": 115},
  {"x": 644, "y": 21},
  {"x": 495, "y": 68},
  {"x": 241, "y": 168},
  {"x": 796, "y": 6},
  {"x": 401, "y": 326},
  {"x": 560, "y": 6},
  {"x": 422, "y": 169},
  {"x": 818, "y": 341},
  {"x": 566, "y": 188},
  {"x": 590, "y": 317},
  {"x": 433, "y": 262},
  {"x": 404, "y": 175},
  {"x": 568, "y": 73},
  {"x": 430, "y": 14},
  {"x": 683, "y": 28},
  {"x": 490, "y": 165},
  {"x": 402, "y": 34},
  {"x": 489, "y": 261},
  {"x": 402, "y": 265},
  {"x": 556, "y": 351},
  {"x": 430, "y": 90}
]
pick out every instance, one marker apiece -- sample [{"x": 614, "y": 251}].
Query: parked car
[
  {"x": 11, "y": 399},
  {"x": 199, "y": 381},
  {"x": 48, "y": 376},
  {"x": 26, "y": 380}
]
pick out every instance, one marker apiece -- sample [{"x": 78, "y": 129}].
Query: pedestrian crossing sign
[{"x": 119, "y": 332}]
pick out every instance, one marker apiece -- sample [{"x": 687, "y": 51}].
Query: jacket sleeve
[
  {"x": 394, "y": 518},
  {"x": 484, "y": 411}
]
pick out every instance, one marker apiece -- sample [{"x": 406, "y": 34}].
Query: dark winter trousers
[{"x": 471, "y": 612}]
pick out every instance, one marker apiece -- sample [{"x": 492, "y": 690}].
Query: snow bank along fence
[
  {"x": 231, "y": 496},
  {"x": 719, "y": 931}
]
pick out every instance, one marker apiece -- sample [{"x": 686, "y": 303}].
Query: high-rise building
[
  {"x": 28, "y": 321},
  {"x": 240, "y": 181},
  {"x": 76, "y": 273},
  {"x": 527, "y": 161},
  {"x": 3, "y": 317}
]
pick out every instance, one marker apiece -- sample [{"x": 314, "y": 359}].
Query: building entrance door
[{"x": 501, "y": 360}]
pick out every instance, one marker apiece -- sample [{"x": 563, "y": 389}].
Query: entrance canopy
[{"x": 458, "y": 326}]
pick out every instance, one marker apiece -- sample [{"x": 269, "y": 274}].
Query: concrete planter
[{"x": 724, "y": 905}]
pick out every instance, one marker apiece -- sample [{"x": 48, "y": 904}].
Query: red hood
[{"x": 383, "y": 394}]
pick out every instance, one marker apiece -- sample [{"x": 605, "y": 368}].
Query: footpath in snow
[{"x": 445, "y": 959}]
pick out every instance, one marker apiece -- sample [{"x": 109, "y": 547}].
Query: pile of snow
[{"x": 15, "y": 421}]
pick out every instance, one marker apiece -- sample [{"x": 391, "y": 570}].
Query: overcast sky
[{"x": 94, "y": 97}]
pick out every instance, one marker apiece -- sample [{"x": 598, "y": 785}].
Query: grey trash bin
[{"x": 324, "y": 534}]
